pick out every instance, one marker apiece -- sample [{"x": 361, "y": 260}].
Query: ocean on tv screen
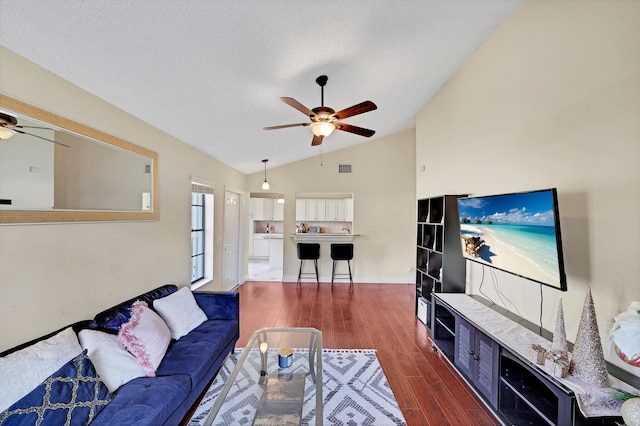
[{"x": 513, "y": 232}]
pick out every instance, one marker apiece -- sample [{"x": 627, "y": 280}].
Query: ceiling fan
[
  {"x": 325, "y": 120},
  {"x": 9, "y": 126}
]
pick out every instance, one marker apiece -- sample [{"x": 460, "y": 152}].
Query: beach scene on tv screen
[{"x": 514, "y": 232}]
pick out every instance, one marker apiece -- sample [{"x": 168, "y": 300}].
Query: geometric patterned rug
[{"x": 355, "y": 390}]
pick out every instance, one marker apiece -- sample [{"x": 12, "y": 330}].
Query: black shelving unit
[
  {"x": 440, "y": 266},
  {"x": 527, "y": 397},
  {"x": 443, "y": 330}
]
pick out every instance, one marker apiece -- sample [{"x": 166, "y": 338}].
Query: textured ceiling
[{"x": 210, "y": 72}]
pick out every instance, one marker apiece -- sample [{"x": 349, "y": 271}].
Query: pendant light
[{"x": 265, "y": 184}]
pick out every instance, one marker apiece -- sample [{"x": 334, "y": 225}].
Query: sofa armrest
[{"x": 219, "y": 304}]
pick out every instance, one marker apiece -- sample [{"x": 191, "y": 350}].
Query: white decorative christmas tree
[
  {"x": 587, "y": 359},
  {"x": 559, "y": 344}
]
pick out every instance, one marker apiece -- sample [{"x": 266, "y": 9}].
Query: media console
[{"x": 490, "y": 352}]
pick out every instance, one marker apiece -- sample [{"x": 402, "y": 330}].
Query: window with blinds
[
  {"x": 197, "y": 236},
  {"x": 200, "y": 210}
]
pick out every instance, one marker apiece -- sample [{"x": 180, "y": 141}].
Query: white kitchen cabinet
[
  {"x": 256, "y": 208},
  {"x": 275, "y": 252},
  {"x": 268, "y": 209},
  {"x": 301, "y": 209},
  {"x": 311, "y": 209},
  {"x": 263, "y": 208},
  {"x": 319, "y": 209},
  {"x": 260, "y": 246},
  {"x": 335, "y": 210},
  {"x": 348, "y": 209},
  {"x": 316, "y": 209},
  {"x": 278, "y": 211}
]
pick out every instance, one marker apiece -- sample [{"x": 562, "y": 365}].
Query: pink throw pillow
[{"x": 146, "y": 336}]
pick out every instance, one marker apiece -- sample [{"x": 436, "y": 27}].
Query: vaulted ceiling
[{"x": 210, "y": 72}]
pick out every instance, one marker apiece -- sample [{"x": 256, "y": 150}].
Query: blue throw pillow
[{"x": 73, "y": 395}]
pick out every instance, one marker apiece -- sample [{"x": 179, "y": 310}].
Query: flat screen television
[{"x": 517, "y": 233}]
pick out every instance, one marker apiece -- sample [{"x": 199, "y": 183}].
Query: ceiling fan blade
[
  {"x": 355, "y": 129},
  {"x": 284, "y": 126},
  {"x": 297, "y": 105},
  {"x": 39, "y": 137},
  {"x": 34, "y": 127},
  {"x": 360, "y": 108},
  {"x": 317, "y": 140}
]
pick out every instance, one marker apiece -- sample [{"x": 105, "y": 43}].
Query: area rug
[{"x": 355, "y": 390}]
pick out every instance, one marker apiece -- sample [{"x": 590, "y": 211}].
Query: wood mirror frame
[{"x": 47, "y": 216}]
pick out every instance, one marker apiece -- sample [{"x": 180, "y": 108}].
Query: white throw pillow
[
  {"x": 113, "y": 363},
  {"x": 146, "y": 336},
  {"x": 23, "y": 370},
  {"x": 180, "y": 311}
]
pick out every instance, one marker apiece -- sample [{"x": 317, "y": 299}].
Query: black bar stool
[
  {"x": 308, "y": 251},
  {"x": 341, "y": 252}
]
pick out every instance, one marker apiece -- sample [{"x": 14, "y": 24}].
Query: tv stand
[{"x": 496, "y": 365}]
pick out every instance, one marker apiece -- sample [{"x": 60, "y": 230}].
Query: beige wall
[
  {"x": 551, "y": 99},
  {"x": 383, "y": 184},
  {"x": 54, "y": 274},
  {"x": 96, "y": 176}
]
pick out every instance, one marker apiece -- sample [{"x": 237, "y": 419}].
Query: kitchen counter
[
  {"x": 316, "y": 236},
  {"x": 269, "y": 235}
]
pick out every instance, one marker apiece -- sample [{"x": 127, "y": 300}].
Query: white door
[{"x": 231, "y": 239}]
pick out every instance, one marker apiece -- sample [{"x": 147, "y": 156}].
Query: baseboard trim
[{"x": 361, "y": 280}]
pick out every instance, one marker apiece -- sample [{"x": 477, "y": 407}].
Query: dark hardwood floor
[{"x": 370, "y": 316}]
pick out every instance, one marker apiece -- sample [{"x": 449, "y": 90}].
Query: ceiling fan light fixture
[
  {"x": 322, "y": 128},
  {"x": 6, "y": 133},
  {"x": 6, "y": 123},
  {"x": 265, "y": 184},
  {"x": 324, "y": 120}
]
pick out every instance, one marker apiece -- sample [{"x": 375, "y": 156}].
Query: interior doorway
[{"x": 266, "y": 229}]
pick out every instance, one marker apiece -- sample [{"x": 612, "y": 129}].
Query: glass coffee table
[{"x": 276, "y": 373}]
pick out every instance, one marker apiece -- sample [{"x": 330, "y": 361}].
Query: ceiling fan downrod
[{"x": 322, "y": 81}]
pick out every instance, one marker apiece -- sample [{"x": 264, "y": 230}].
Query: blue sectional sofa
[{"x": 188, "y": 366}]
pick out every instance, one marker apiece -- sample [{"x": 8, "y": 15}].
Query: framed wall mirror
[{"x": 56, "y": 170}]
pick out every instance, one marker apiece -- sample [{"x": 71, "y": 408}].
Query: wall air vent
[
  {"x": 344, "y": 168},
  {"x": 147, "y": 168}
]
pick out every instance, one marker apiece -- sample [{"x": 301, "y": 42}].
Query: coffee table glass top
[{"x": 263, "y": 389}]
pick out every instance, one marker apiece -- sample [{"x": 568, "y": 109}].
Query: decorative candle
[
  {"x": 285, "y": 357},
  {"x": 263, "y": 358}
]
